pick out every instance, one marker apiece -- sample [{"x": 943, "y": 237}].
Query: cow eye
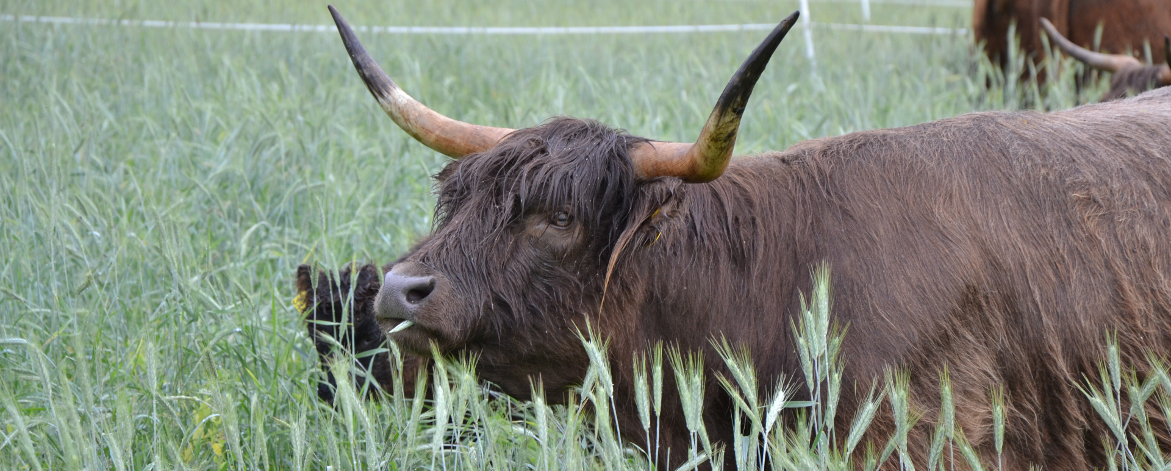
[{"x": 561, "y": 219}]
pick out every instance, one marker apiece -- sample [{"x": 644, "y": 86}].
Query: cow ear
[
  {"x": 302, "y": 301},
  {"x": 657, "y": 202},
  {"x": 448, "y": 170},
  {"x": 369, "y": 279},
  {"x": 668, "y": 208},
  {"x": 657, "y": 208},
  {"x": 655, "y": 205}
]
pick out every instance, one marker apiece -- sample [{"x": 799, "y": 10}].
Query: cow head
[
  {"x": 529, "y": 224},
  {"x": 1130, "y": 76}
]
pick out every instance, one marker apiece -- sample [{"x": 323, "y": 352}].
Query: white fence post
[
  {"x": 866, "y": 10},
  {"x": 808, "y": 35}
]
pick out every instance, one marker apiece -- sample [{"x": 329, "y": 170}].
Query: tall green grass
[{"x": 160, "y": 186}]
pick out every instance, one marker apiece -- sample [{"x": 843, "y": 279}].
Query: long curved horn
[
  {"x": 1097, "y": 60},
  {"x": 706, "y": 159},
  {"x": 448, "y": 136}
]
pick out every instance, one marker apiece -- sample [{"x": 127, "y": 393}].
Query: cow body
[
  {"x": 1126, "y": 25},
  {"x": 1002, "y": 245}
]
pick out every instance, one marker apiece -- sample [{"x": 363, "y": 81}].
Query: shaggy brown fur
[
  {"x": 1003, "y": 245},
  {"x": 330, "y": 305},
  {"x": 1126, "y": 25}
]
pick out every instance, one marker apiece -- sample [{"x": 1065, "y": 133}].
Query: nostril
[
  {"x": 416, "y": 296},
  {"x": 417, "y": 292},
  {"x": 403, "y": 297}
]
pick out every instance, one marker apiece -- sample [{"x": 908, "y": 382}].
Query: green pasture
[{"x": 159, "y": 186}]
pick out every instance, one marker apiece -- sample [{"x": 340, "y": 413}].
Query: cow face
[
  {"x": 527, "y": 222},
  {"x": 518, "y": 257}
]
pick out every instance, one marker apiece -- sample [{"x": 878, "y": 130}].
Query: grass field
[{"x": 160, "y": 186}]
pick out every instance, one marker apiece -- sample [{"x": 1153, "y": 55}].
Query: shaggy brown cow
[
  {"x": 1130, "y": 77},
  {"x": 1126, "y": 25},
  {"x": 1003, "y": 245},
  {"x": 347, "y": 299}
]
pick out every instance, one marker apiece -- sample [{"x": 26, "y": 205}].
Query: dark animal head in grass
[
  {"x": 339, "y": 313},
  {"x": 1130, "y": 77},
  {"x": 530, "y": 223}
]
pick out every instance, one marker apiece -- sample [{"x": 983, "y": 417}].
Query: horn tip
[
  {"x": 337, "y": 17},
  {"x": 1045, "y": 23}
]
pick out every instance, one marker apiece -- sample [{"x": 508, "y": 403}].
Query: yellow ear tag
[
  {"x": 300, "y": 303},
  {"x": 660, "y": 234}
]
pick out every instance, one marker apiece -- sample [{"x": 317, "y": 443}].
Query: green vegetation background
[{"x": 160, "y": 186}]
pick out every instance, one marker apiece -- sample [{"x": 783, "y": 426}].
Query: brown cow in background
[{"x": 1126, "y": 25}]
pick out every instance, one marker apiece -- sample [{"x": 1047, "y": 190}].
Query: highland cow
[{"x": 1002, "y": 245}]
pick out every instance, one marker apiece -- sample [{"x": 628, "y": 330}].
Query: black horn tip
[
  {"x": 353, "y": 46},
  {"x": 338, "y": 19},
  {"x": 376, "y": 80},
  {"x": 735, "y": 95}
]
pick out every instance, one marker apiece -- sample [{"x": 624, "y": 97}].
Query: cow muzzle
[{"x": 403, "y": 296}]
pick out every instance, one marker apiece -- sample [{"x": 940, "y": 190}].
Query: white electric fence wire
[
  {"x": 926, "y": 3},
  {"x": 488, "y": 30}
]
